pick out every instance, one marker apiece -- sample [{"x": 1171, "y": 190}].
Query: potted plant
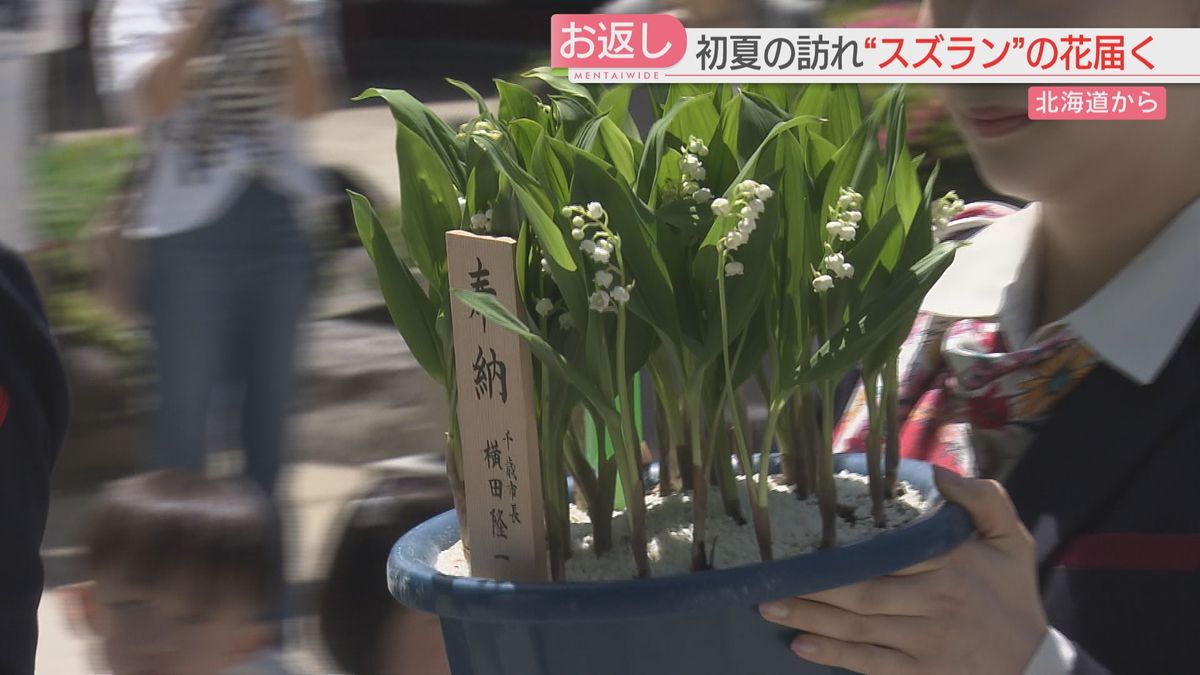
[{"x": 769, "y": 236}]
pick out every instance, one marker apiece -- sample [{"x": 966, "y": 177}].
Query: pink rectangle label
[{"x": 1097, "y": 103}]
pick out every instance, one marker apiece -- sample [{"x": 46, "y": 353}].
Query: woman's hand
[{"x": 974, "y": 610}]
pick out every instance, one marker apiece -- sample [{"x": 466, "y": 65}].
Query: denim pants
[{"x": 225, "y": 301}]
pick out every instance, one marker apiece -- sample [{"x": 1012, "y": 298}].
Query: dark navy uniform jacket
[
  {"x": 1110, "y": 492},
  {"x": 33, "y": 417}
]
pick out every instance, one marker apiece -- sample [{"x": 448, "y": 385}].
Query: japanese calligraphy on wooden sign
[{"x": 502, "y": 466}]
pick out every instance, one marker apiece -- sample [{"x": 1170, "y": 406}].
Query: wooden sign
[{"x": 501, "y": 462}]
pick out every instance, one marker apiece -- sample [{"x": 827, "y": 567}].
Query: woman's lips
[{"x": 993, "y": 122}]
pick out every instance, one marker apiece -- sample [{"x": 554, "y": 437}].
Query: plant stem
[
  {"x": 699, "y": 477},
  {"x": 758, "y": 507},
  {"x": 823, "y": 466},
  {"x": 601, "y": 513},
  {"x": 554, "y": 486},
  {"x": 826, "y": 489},
  {"x": 874, "y": 445},
  {"x": 635, "y": 504},
  {"x": 808, "y": 415},
  {"x": 588, "y": 486},
  {"x": 669, "y": 421},
  {"x": 723, "y": 468},
  {"x": 891, "y": 411},
  {"x": 454, "y": 472}
]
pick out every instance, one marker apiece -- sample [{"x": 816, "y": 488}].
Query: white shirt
[
  {"x": 1134, "y": 323},
  {"x": 202, "y": 156}
]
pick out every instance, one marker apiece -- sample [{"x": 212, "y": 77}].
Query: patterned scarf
[{"x": 969, "y": 402}]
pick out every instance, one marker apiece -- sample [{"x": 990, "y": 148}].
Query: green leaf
[
  {"x": 758, "y": 118},
  {"x": 409, "y": 307},
  {"x": 868, "y": 253},
  {"x": 751, "y": 166},
  {"x": 880, "y": 318},
  {"x": 525, "y": 135},
  {"x": 617, "y": 150},
  {"x": 722, "y": 161},
  {"x": 411, "y": 113},
  {"x": 753, "y": 350},
  {"x": 548, "y": 171},
  {"x": 844, "y": 112},
  {"x": 499, "y": 315},
  {"x": 813, "y": 100},
  {"x": 517, "y": 102},
  {"x": 428, "y": 204},
  {"x": 585, "y": 137},
  {"x": 615, "y": 103},
  {"x": 475, "y": 96},
  {"x": 533, "y": 200},
  {"x": 906, "y": 187},
  {"x": 657, "y": 140},
  {"x": 652, "y": 298},
  {"x": 778, "y": 94},
  {"x": 572, "y": 114},
  {"x": 561, "y": 83}
]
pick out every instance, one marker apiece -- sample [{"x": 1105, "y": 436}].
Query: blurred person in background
[
  {"x": 366, "y": 631},
  {"x": 183, "y": 580},
  {"x": 225, "y": 206}
]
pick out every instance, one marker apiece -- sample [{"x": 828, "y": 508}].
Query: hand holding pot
[{"x": 973, "y": 610}]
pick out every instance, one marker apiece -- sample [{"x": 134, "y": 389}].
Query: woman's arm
[
  {"x": 306, "y": 76},
  {"x": 159, "y": 93}
]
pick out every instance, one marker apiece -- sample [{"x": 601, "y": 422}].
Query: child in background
[
  {"x": 184, "y": 576},
  {"x": 1059, "y": 354},
  {"x": 366, "y": 631}
]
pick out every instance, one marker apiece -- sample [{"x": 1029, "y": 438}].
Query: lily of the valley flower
[
  {"x": 482, "y": 222},
  {"x": 544, "y": 306},
  {"x": 692, "y": 168},
  {"x": 849, "y": 200},
  {"x": 601, "y": 245},
  {"x": 749, "y": 206},
  {"x": 822, "y": 283},
  {"x": 479, "y": 127},
  {"x": 846, "y": 216},
  {"x": 946, "y": 209},
  {"x": 749, "y": 202},
  {"x": 837, "y": 264},
  {"x": 599, "y": 301}
]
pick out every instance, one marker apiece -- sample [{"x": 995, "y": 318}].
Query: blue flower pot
[{"x": 694, "y": 624}]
